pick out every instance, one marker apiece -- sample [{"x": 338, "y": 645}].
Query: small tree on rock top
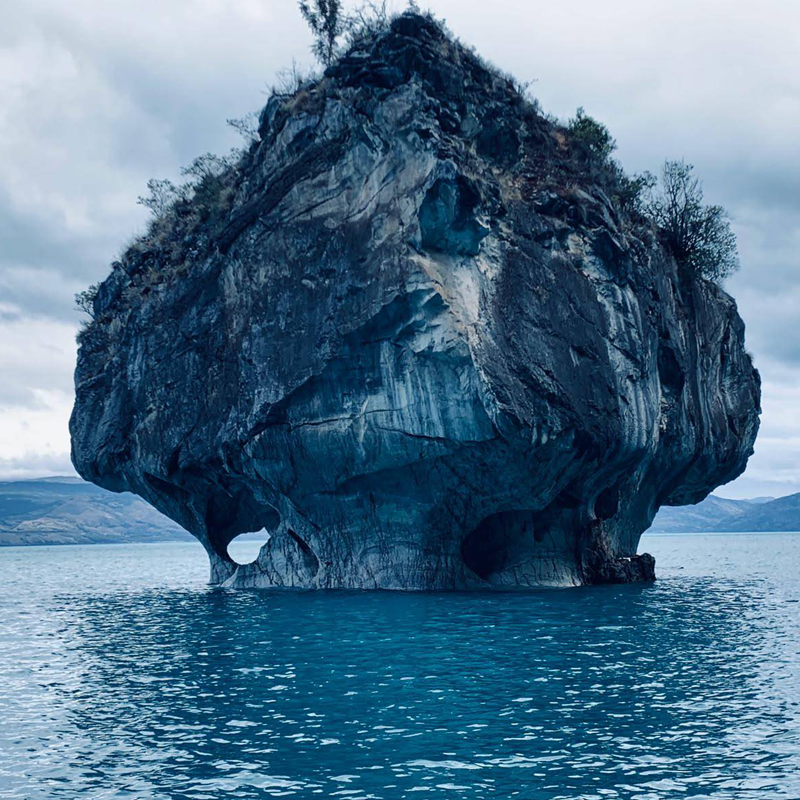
[
  {"x": 698, "y": 235},
  {"x": 84, "y": 301},
  {"x": 327, "y": 22},
  {"x": 593, "y": 135}
]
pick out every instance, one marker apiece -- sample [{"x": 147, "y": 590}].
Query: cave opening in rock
[
  {"x": 244, "y": 548},
  {"x": 239, "y": 524},
  {"x": 499, "y": 543}
]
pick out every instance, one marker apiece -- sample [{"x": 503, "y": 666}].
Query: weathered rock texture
[{"x": 418, "y": 341}]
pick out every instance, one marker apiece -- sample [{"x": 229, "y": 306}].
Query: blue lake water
[{"x": 123, "y": 676}]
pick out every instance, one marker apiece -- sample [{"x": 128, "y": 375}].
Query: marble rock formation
[{"x": 416, "y": 336}]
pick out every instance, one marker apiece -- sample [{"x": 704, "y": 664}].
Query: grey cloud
[
  {"x": 36, "y": 355},
  {"x": 125, "y": 92},
  {"x": 35, "y": 465},
  {"x": 40, "y": 292}
]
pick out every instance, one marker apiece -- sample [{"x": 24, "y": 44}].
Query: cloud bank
[{"x": 97, "y": 97}]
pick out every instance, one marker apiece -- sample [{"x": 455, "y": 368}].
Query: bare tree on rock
[
  {"x": 698, "y": 235},
  {"x": 328, "y": 22}
]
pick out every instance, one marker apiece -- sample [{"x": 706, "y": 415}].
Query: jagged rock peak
[{"x": 417, "y": 335}]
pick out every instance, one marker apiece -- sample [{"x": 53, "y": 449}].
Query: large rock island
[{"x": 417, "y": 336}]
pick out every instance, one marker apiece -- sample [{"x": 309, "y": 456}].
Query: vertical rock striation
[{"x": 417, "y": 340}]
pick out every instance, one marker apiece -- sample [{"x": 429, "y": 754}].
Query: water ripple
[{"x": 123, "y": 675}]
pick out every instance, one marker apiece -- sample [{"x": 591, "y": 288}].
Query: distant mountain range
[
  {"x": 64, "y": 510},
  {"x": 719, "y": 514},
  {"x": 70, "y": 511}
]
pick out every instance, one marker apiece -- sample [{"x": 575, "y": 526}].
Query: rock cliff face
[{"x": 418, "y": 340}]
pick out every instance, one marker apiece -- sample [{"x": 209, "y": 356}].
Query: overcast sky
[{"x": 96, "y": 97}]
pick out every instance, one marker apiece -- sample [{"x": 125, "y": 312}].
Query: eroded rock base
[{"x": 285, "y": 562}]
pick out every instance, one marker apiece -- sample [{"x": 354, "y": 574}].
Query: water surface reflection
[{"x": 121, "y": 683}]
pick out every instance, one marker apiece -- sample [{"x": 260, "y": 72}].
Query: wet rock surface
[{"x": 420, "y": 344}]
